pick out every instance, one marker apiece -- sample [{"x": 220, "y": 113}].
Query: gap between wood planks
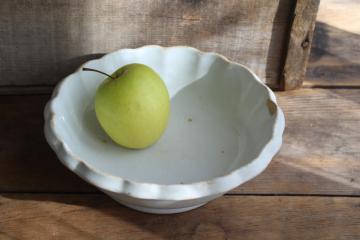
[
  {"x": 331, "y": 86},
  {"x": 230, "y": 194}
]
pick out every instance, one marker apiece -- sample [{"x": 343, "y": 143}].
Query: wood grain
[
  {"x": 26, "y": 161},
  {"x": 321, "y": 147},
  {"x": 335, "y": 54},
  {"x": 43, "y": 41},
  {"x": 335, "y": 60},
  {"x": 39, "y": 216},
  {"x": 320, "y": 153},
  {"x": 299, "y": 44}
]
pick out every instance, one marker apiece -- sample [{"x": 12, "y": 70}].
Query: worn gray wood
[
  {"x": 321, "y": 145},
  {"x": 43, "y": 41},
  {"x": 299, "y": 44},
  {"x": 96, "y": 216},
  {"x": 335, "y": 54}
]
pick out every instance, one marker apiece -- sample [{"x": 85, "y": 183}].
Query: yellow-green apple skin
[{"x": 133, "y": 107}]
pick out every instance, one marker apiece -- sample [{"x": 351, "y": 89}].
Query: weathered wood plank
[
  {"x": 38, "y": 216},
  {"x": 43, "y": 41},
  {"x": 26, "y": 161},
  {"x": 335, "y": 54},
  {"x": 300, "y": 38},
  {"x": 321, "y": 147},
  {"x": 320, "y": 154},
  {"x": 24, "y": 90}
]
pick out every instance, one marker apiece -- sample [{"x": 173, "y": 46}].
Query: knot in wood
[{"x": 305, "y": 43}]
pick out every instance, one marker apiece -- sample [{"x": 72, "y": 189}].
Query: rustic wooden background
[
  {"x": 311, "y": 190},
  {"x": 43, "y": 41}
]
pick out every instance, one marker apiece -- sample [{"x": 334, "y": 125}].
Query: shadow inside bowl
[{"x": 204, "y": 139}]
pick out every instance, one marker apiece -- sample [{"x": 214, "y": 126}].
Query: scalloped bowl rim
[{"x": 154, "y": 191}]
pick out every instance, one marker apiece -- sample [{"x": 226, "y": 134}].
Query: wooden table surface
[{"x": 311, "y": 190}]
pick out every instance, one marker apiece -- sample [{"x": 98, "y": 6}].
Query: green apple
[{"x": 132, "y": 106}]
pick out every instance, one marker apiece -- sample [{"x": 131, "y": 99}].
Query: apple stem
[{"x": 94, "y": 70}]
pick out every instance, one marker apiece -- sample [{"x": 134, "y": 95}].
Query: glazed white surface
[{"x": 224, "y": 129}]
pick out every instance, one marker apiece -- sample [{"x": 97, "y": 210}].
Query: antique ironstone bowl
[{"x": 224, "y": 128}]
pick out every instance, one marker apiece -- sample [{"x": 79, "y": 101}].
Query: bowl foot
[{"x": 161, "y": 210}]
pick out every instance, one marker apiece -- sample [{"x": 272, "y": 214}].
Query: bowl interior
[{"x": 220, "y": 118}]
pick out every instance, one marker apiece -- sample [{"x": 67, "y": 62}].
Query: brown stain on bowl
[{"x": 271, "y": 106}]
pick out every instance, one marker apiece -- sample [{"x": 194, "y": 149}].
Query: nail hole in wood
[{"x": 305, "y": 43}]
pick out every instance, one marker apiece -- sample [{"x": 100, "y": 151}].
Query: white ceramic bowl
[{"x": 225, "y": 126}]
